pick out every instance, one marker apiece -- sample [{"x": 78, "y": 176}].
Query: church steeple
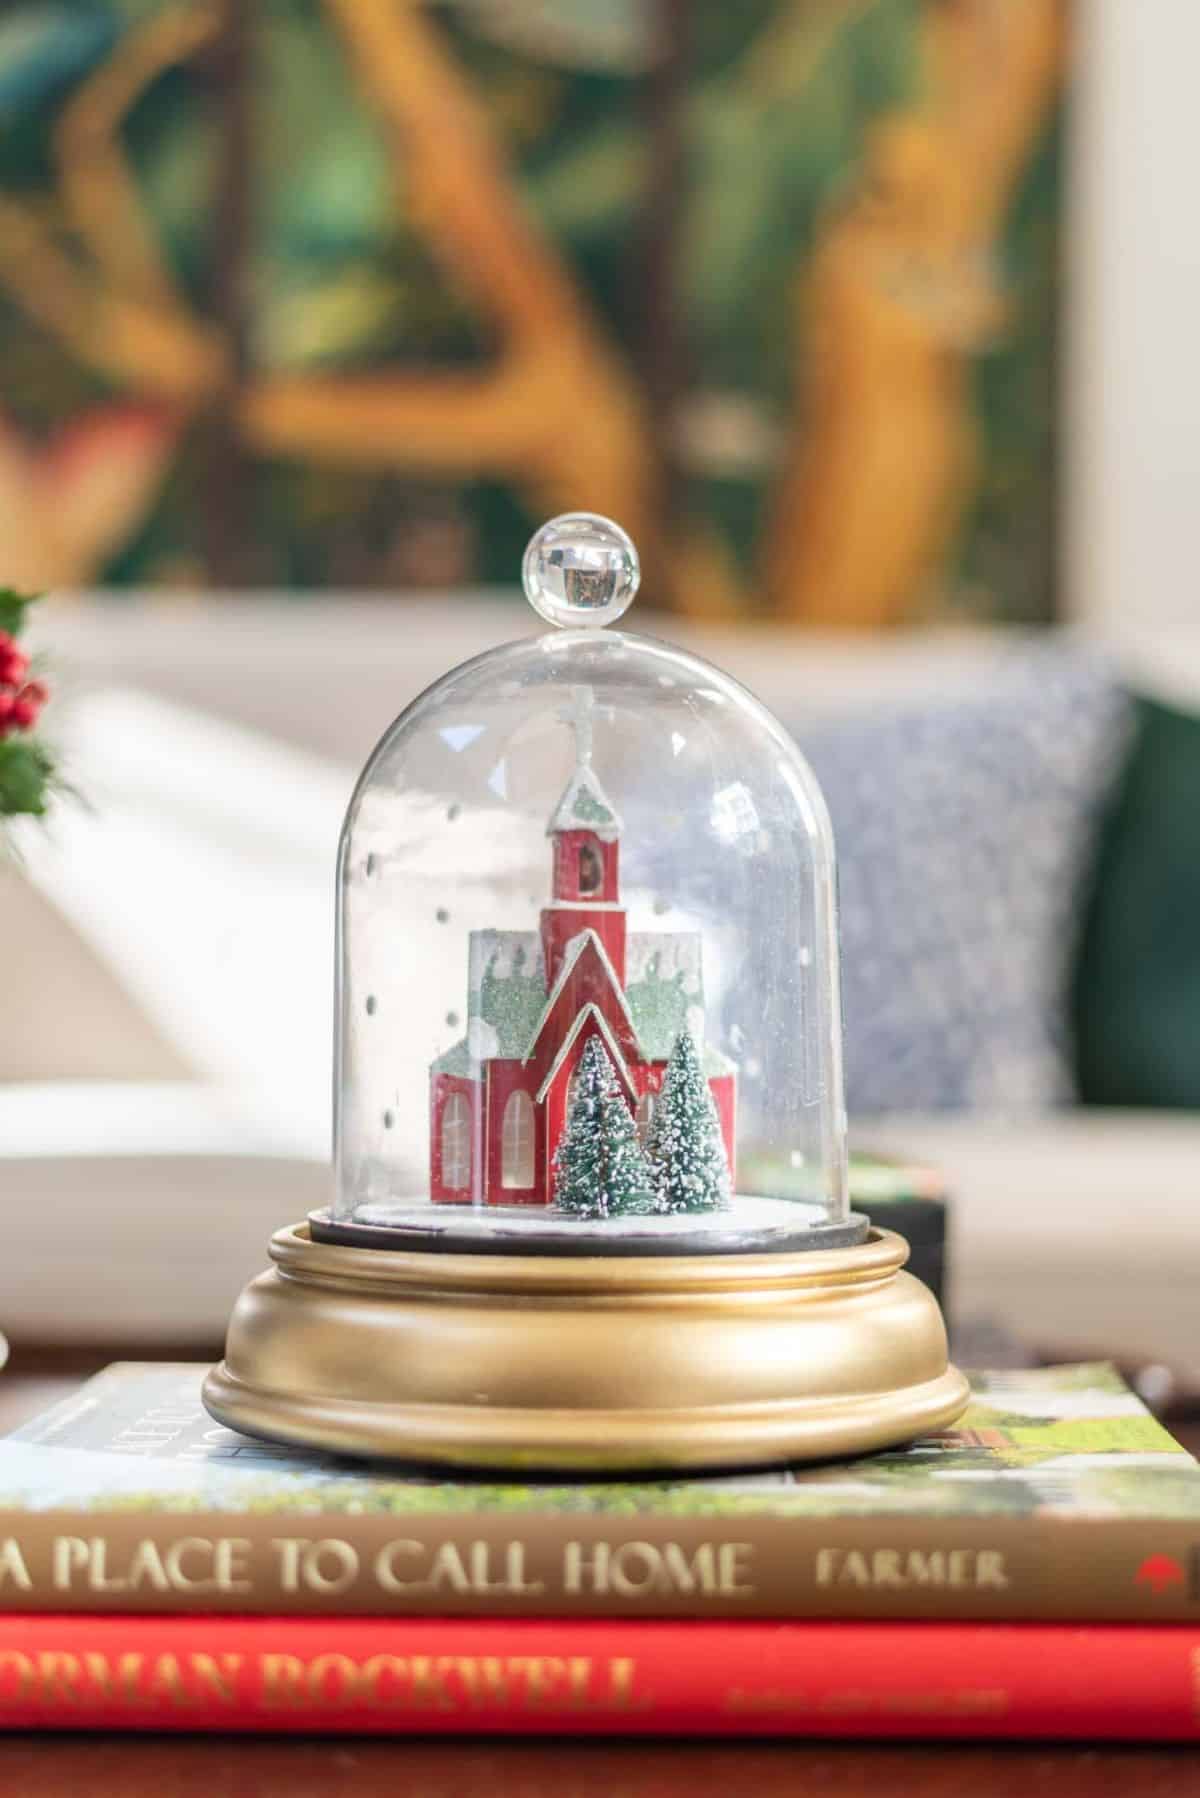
[
  {"x": 584, "y": 826},
  {"x": 585, "y": 830}
]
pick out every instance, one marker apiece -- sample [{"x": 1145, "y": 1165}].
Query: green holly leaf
[
  {"x": 26, "y": 774},
  {"x": 13, "y": 607}
]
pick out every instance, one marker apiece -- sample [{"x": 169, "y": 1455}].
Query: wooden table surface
[{"x": 352, "y": 1767}]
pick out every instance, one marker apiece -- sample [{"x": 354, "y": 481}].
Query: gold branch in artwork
[
  {"x": 118, "y": 311},
  {"x": 899, "y": 293},
  {"x": 459, "y": 190},
  {"x": 131, "y": 344},
  {"x": 555, "y": 412},
  {"x": 99, "y": 190}
]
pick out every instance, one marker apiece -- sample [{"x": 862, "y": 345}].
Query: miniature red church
[{"x": 498, "y": 1099}]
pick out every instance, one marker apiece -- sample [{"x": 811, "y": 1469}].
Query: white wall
[{"x": 1132, "y": 340}]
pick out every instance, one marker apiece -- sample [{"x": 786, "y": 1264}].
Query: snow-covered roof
[
  {"x": 584, "y": 1013},
  {"x": 585, "y": 806},
  {"x": 571, "y": 954}
]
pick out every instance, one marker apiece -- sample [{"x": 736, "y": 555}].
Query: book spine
[
  {"x": 546, "y": 1564},
  {"x": 600, "y": 1677}
]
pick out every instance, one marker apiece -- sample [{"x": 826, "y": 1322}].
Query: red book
[{"x": 600, "y": 1676}]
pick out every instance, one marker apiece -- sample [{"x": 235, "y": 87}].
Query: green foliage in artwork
[
  {"x": 779, "y": 109},
  {"x": 599, "y": 1167},
  {"x": 778, "y": 140},
  {"x": 685, "y": 1147},
  {"x": 44, "y": 48}
]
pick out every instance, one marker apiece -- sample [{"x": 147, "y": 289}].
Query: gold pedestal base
[{"x": 589, "y": 1364}]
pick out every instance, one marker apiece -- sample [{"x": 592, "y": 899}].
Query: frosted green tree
[
  {"x": 599, "y": 1167},
  {"x": 685, "y": 1146}
]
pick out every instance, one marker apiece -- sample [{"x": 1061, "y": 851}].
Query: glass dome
[{"x": 587, "y": 967}]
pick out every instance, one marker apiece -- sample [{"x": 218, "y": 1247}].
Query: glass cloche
[{"x": 587, "y": 965}]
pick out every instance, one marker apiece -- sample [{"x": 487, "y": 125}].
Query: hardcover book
[
  {"x": 1056, "y": 1496},
  {"x": 598, "y": 1676}
]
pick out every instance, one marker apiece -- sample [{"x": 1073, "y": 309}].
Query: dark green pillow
[{"x": 1137, "y": 983}]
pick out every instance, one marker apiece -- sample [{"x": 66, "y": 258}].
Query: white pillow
[{"x": 965, "y": 831}]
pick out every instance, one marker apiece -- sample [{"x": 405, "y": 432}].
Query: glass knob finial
[{"x": 580, "y": 571}]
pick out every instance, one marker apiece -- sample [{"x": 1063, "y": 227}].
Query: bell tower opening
[{"x": 591, "y": 872}]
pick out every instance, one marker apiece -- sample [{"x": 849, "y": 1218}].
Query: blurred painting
[{"x": 351, "y": 293}]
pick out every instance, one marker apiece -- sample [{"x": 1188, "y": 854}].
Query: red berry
[
  {"x": 7, "y": 702},
  {"x": 13, "y": 665},
  {"x": 37, "y": 691},
  {"x": 24, "y": 713}
]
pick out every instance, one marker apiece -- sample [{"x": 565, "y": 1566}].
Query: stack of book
[{"x": 1035, "y": 1571}]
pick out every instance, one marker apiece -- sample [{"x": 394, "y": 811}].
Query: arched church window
[
  {"x": 456, "y": 1143},
  {"x": 645, "y": 1115},
  {"x": 591, "y": 871},
  {"x": 516, "y": 1142}
]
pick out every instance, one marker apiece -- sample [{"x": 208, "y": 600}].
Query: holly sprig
[{"x": 28, "y": 772}]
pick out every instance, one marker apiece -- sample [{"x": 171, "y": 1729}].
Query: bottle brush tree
[
  {"x": 599, "y": 1167},
  {"x": 691, "y": 1172}
]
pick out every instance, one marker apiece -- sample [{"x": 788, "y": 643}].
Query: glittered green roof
[
  {"x": 506, "y": 993},
  {"x": 585, "y": 806},
  {"x": 507, "y": 997},
  {"x": 454, "y": 1061},
  {"x": 663, "y": 984}
]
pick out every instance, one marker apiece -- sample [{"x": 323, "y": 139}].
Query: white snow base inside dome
[{"x": 747, "y": 1212}]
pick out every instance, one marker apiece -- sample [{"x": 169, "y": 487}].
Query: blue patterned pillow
[{"x": 965, "y": 829}]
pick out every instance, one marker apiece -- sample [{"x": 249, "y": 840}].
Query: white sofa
[{"x": 164, "y": 1104}]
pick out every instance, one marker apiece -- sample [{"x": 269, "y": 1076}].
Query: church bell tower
[{"x": 585, "y": 832}]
